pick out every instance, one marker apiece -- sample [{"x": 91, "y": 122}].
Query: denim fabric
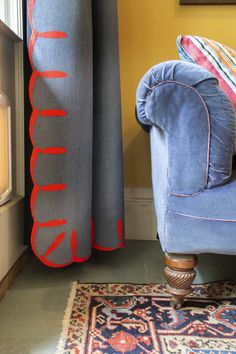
[
  {"x": 188, "y": 224},
  {"x": 159, "y": 158},
  {"x": 191, "y": 123},
  {"x": 211, "y": 220},
  {"x": 185, "y": 101},
  {"x": 108, "y": 187},
  {"x": 74, "y": 94},
  {"x": 89, "y": 208}
]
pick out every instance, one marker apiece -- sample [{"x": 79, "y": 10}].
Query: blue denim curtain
[{"x": 75, "y": 129}]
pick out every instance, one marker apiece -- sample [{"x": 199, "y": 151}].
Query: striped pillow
[{"x": 215, "y": 57}]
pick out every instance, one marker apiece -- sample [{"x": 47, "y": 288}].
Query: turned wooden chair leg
[{"x": 180, "y": 273}]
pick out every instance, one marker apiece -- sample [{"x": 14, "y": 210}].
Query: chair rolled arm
[{"x": 185, "y": 102}]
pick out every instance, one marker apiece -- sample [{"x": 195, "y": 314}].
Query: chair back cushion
[{"x": 213, "y": 56}]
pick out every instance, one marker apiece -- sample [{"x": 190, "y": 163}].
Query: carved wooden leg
[{"x": 180, "y": 275}]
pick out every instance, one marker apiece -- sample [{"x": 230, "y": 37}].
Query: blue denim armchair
[{"x": 191, "y": 125}]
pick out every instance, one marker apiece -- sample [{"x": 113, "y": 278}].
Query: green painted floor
[{"x": 32, "y": 311}]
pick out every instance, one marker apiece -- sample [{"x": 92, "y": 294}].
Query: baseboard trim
[
  {"x": 140, "y": 217},
  {"x": 10, "y": 277}
]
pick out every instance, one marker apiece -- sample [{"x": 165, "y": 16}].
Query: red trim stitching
[
  {"x": 104, "y": 249},
  {"x": 52, "y": 34},
  {"x": 33, "y": 237},
  {"x": 42, "y": 258},
  {"x": 120, "y": 233},
  {"x": 107, "y": 249},
  {"x": 47, "y": 112},
  {"x": 74, "y": 249},
  {"x": 51, "y": 150},
  {"x": 31, "y": 86},
  {"x": 30, "y": 11},
  {"x": 53, "y": 112},
  {"x": 54, "y": 244},
  {"x": 48, "y": 34},
  {"x": 53, "y": 187},
  {"x": 53, "y": 223},
  {"x": 54, "y": 150},
  {"x": 37, "y": 150},
  {"x": 32, "y": 41},
  {"x": 33, "y": 198},
  {"x": 33, "y": 119},
  {"x": 52, "y": 74}
]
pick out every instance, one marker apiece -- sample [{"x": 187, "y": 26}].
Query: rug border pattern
[{"x": 84, "y": 291}]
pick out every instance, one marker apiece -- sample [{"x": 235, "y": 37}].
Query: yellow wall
[{"x": 148, "y": 31}]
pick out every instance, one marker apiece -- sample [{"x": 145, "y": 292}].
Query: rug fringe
[{"x": 66, "y": 320}]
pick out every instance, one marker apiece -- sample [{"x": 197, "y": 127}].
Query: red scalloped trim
[
  {"x": 120, "y": 233},
  {"x": 43, "y": 113},
  {"x": 33, "y": 119},
  {"x": 53, "y": 113},
  {"x": 52, "y": 34},
  {"x": 54, "y": 150},
  {"x": 53, "y": 187},
  {"x": 104, "y": 249},
  {"x": 51, "y": 74},
  {"x": 31, "y": 4},
  {"x": 53, "y": 223},
  {"x": 107, "y": 249},
  {"x": 57, "y": 241}
]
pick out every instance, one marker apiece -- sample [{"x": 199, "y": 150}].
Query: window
[
  {"x": 11, "y": 103},
  {"x": 11, "y": 15},
  {"x": 5, "y": 150}
]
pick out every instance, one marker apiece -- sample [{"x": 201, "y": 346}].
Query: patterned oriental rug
[{"x": 138, "y": 319}]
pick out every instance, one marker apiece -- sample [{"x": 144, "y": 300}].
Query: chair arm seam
[{"x": 201, "y": 217}]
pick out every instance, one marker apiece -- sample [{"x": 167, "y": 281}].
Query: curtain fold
[{"x": 75, "y": 129}]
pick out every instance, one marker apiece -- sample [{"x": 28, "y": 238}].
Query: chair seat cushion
[{"x": 205, "y": 222}]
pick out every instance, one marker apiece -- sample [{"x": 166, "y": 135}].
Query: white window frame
[
  {"x": 11, "y": 15},
  {"x": 18, "y": 126},
  {"x": 7, "y": 193}
]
